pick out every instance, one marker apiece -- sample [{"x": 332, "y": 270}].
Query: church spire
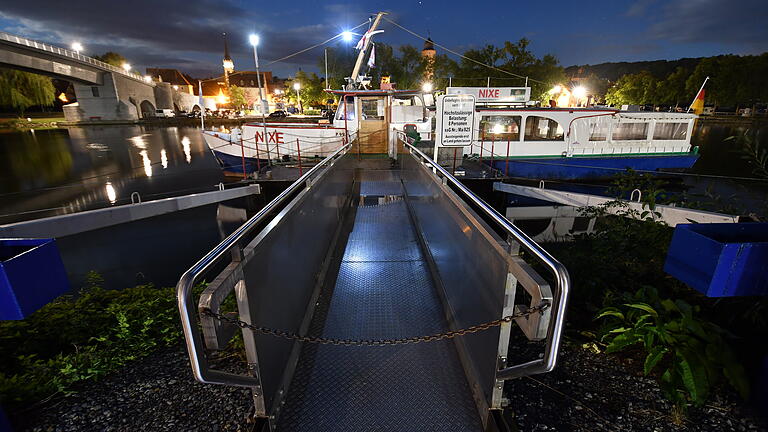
[{"x": 229, "y": 65}]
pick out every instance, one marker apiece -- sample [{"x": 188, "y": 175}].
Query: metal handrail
[
  {"x": 562, "y": 288},
  {"x": 20, "y": 40},
  {"x": 184, "y": 288}
]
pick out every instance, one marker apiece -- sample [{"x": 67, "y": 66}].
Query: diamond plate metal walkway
[{"x": 383, "y": 290}]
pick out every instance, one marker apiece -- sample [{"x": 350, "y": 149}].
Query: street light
[
  {"x": 426, "y": 87},
  {"x": 254, "y": 40},
  {"x": 579, "y": 92},
  {"x": 147, "y": 79},
  {"x": 297, "y": 86},
  {"x": 126, "y": 67},
  {"x": 77, "y": 47}
]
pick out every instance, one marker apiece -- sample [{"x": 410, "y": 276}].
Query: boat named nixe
[{"x": 510, "y": 133}]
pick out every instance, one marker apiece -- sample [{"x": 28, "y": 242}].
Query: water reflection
[
  {"x": 111, "y": 194},
  {"x": 187, "y": 149},
  {"x": 147, "y": 163},
  {"x": 60, "y": 171}
]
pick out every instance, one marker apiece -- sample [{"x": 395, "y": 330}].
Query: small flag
[
  {"x": 698, "y": 103},
  {"x": 372, "y": 58},
  {"x": 363, "y": 42}
]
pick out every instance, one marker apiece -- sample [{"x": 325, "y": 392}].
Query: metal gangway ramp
[{"x": 370, "y": 296}]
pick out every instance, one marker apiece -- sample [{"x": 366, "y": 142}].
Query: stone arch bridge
[{"x": 103, "y": 91}]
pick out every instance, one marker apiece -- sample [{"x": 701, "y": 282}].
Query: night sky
[{"x": 186, "y": 34}]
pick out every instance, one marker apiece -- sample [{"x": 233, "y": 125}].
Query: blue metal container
[
  {"x": 5, "y": 425},
  {"x": 31, "y": 275},
  {"x": 721, "y": 260}
]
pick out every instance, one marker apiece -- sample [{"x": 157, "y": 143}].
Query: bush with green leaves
[
  {"x": 76, "y": 339},
  {"x": 687, "y": 354}
]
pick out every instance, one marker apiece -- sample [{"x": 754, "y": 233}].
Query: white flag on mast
[
  {"x": 363, "y": 42},
  {"x": 372, "y": 58}
]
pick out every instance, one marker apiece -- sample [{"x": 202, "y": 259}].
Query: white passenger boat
[
  {"x": 514, "y": 137},
  {"x": 373, "y": 117},
  {"x": 572, "y": 143}
]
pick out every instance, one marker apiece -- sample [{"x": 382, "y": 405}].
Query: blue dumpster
[
  {"x": 31, "y": 275},
  {"x": 5, "y": 425},
  {"x": 721, "y": 260}
]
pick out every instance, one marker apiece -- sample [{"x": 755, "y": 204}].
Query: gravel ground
[
  {"x": 156, "y": 393},
  {"x": 586, "y": 392}
]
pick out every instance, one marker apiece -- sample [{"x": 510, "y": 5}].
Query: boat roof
[{"x": 374, "y": 92}]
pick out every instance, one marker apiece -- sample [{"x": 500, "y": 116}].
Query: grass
[{"x": 73, "y": 340}]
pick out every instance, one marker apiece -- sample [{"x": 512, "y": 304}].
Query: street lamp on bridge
[
  {"x": 127, "y": 67},
  {"x": 77, "y": 47}
]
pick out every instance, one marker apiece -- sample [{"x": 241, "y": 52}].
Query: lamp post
[
  {"x": 297, "y": 86},
  {"x": 327, "y": 84},
  {"x": 254, "y": 39},
  {"x": 77, "y": 47}
]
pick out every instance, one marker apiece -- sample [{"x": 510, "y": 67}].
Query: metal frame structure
[
  {"x": 560, "y": 274},
  {"x": 445, "y": 214},
  {"x": 187, "y": 307}
]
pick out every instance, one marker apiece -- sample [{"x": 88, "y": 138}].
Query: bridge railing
[{"x": 8, "y": 37}]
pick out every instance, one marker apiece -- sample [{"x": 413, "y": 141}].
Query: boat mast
[{"x": 355, "y": 79}]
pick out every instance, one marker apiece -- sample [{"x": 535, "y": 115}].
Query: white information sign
[
  {"x": 455, "y": 120},
  {"x": 494, "y": 94}
]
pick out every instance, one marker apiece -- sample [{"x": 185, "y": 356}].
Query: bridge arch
[{"x": 147, "y": 109}]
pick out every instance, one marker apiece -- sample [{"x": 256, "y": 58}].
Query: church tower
[
  {"x": 428, "y": 54},
  {"x": 229, "y": 66}
]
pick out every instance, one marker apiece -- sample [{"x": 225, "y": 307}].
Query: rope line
[{"x": 461, "y": 55}]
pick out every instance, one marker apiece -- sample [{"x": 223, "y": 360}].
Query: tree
[
  {"x": 633, "y": 89},
  {"x": 237, "y": 97},
  {"x": 21, "y": 90},
  {"x": 112, "y": 58},
  {"x": 671, "y": 91},
  {"x": 311, "y": 89}
]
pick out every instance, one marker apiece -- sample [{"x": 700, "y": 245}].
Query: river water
[{"x": 59, "y": 171}]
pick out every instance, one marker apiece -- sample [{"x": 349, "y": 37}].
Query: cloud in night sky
[{"x": 187, "y": 34}]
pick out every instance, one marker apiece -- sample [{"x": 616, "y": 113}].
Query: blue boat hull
[
  {"x": 234, "y": 164},
  {"x": 573, "y": 168}
]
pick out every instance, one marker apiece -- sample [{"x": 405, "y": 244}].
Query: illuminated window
[
  {"x": 350, "y": 109},
  {"x": 500, "y": 128},
  {"x": 373, "y": 109},
  {"x": 542, "y": 129},
  {"x": 630, "y": 132},
  {"x": 670, "y": 131}
]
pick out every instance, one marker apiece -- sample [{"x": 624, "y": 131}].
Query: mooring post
[
  {"x": 298, "y": 150},
  {"x": 242, "y": 155}
]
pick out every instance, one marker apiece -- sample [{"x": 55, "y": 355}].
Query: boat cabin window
[
  {"x": 350, "y": 109},
  {"x": 412, "y": 100},
  {"x": 500, "y": 128},
  {"x": 372, "y": 109},
  {"x": 630, "y": 132},
  {"x": 670, "y": 131},
  {"x": 542, "y": 129},
  {"x": 598, "y": 128}
]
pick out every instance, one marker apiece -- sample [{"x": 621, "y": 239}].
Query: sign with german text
[
  {"x": 455, "y": 120},
  {"x": 494, "y": 94}
]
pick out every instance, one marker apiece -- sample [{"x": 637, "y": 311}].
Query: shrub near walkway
[
  {"x": 623, "y": 303},
  {"x": 79, "y": 339}
]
